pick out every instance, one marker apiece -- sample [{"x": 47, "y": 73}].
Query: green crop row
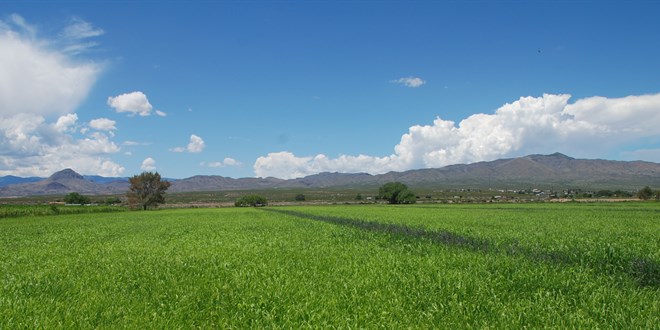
[
  {"x": 9, "y": 211},
  {"x": 448, "y": 266}
]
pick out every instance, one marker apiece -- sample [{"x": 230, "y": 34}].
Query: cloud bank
[
  {"x": 31, "y": 146},
  {"x": 41, "y": 84},
  {"x": 589, "y": 127}
]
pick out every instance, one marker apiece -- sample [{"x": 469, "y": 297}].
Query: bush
[
  {"x": 300, "y": 198},
  {"x": 112, "y": 201},
  {"x": 76, "y": 198},
  {"x": 251, "y": 200}
]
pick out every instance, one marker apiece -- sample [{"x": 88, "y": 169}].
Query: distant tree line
[{"x": 79, "y": 199}]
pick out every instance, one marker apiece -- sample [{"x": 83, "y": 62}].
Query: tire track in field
[
  {"x": 644, "y": 271},
  {"x": 443, "y": 237}
]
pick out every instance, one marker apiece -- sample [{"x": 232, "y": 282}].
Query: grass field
[
  {"x": 441, "y": 266},
  {"x": 9, "y": 211}
]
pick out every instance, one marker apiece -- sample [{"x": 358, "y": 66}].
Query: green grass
[
  {"x": 9, "y": 211},
  {"x": 440, "y": 266}
]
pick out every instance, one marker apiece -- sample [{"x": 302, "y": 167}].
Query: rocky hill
[{"x": 556, "y": 171}]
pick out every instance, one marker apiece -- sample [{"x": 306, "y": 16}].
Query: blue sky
[{"x": 292, "y": 88}]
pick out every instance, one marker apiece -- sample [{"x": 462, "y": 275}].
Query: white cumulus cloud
[
  {"x": 160, "y": 113},
  {"x": 148, "y": 164},
  {"x": 231, "y": 162},
  {"x": 65, "y": 122},
  {"x": 227, "y": 162},
  {"x": 103, "y": 124},
  {"x": 286, "y": 165},
  {"x": 590, "y": 127},
  {"x": 30, "y": 146},
  {"x": 134, "y": 103},
  {"x": 195, "y": 145},
  {"x": 412, "y": 82}
]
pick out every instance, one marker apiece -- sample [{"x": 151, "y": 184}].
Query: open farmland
[{"x": 501, "y": 266}]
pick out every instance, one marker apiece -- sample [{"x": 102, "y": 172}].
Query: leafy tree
[
  {"x": 76, "y": 198},
  {"x": 147, "y": 189},
  {"x": 396, "y": 193},
  {"x": 300, "y": 198},
  {"x": 358, "y": 197},
  {"x": 645, "y": 193},
  {"x": 406, "y": 197},
  {"x": 251, "y": 200}
]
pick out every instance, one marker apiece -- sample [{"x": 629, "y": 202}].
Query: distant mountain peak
[
  {"x": 65, "y": 174},
  {"x": 555, "y": 156},
  {"x": 560, "y": 155}
]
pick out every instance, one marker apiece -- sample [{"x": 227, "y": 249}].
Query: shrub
[
  {"x": 251, "y": 200},
  {"x": 112, "y": 201},
  {"x": 300, "y": 198}
]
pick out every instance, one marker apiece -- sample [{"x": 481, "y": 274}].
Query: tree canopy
[
  {"x": 76, "y": 198},
  {"x": 646, "y": 193},
  {"x": 251, "y": 200},
  {"x": 147, "y": 189},
  {"x": 396, "y": 193}
]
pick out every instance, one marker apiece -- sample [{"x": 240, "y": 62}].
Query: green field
[
  {"x": 547, "y": 265},
  {"x": 10, "y": 211}
]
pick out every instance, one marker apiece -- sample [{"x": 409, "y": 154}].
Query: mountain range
[{"x": 556, "y": 171}]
